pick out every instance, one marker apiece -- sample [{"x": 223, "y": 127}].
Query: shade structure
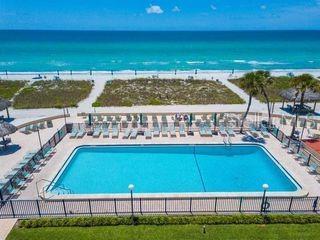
[
  {"x": 309, "y": 96},
  {"x": 4, "y": 105},
  {"x": 6, "y": 129}
]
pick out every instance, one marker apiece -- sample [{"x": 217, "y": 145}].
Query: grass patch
[
  {"x": 177, "y": 232},
  {"x": 143, "y": 91},
  {"x": 8, "y": 88},
  {"x": 273, "y": 90},
  {"x": 52, "y": 94}
]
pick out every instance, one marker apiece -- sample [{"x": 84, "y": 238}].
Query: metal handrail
[{"x": 62, "y": 187}]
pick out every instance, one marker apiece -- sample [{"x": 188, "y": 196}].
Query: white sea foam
[
  {"x": 194, "y": 62},
  {"x": 239, "y": 61},
  {"x": 155, "y": 63},
  {"x": 212, "y": 62},
  {"x": 58, "y": 63},
  {"x": 10, "y": 63}
]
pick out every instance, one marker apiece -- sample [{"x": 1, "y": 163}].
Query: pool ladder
[
  {"x": 43, "y": 192},
  {"x": 227, "y": 141}
]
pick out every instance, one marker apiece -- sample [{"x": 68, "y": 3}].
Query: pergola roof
[
  {"x": 309, "y": 96},
  {"x": 6, "y": 129},
  {"x": 4, "y": 104}
]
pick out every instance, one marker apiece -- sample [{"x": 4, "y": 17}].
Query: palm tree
[
  {"x": 263, "y": 79},
  {"x": 302, "y": 83},
  {"x": 249, "y": 84}
]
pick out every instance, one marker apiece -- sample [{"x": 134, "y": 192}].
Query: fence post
[
  {"x": 215, "y": 204},
  {"x": 315, "y": 204},
  {"x": 64, "y": 208},
  {"x": 39, "y": 212},
  {"x": 309, "y": 158},
  {"x": 277, "y": 133},
  {"x": 115, "y": 206},
  {"x": 140, "y": 203},
  {"x": 11, "y": 205},
  {"x": 240, "y": 204},
  {"x": 290, "y": 205},
  {"x": 165, "y": 206},
  {"x": 190, "y": 207},
  {"x": 89, "y": 202}
]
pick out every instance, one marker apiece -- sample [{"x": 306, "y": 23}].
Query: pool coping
[{"x": 300, "y": 192}]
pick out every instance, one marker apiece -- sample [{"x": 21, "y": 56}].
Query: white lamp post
[{"x": 131, "y": 188}]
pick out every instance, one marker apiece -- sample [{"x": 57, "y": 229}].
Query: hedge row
[{"x": 170, "y": 220}]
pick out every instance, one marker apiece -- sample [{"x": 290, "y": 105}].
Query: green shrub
[
  {"x": 170, "y": 220},
  {"x": 9, "y": 88}
]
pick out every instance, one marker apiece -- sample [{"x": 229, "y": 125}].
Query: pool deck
[{"x": 299, "y": 172}]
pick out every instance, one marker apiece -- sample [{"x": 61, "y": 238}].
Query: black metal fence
[
  {"x": 149, "y": 206},
  {"x": 296, "y": 146},
  {"x": 6, "y": 191}
]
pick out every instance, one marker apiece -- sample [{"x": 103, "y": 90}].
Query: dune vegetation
[
  {"x": 52, "y": 94},
  {"x": 9, "y": 88},
  {"x": 144, "y": 91}
]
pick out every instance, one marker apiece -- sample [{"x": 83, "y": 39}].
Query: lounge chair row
[
  {"x": 17, "y": 178},
  {"x": 34, "y": 127}
]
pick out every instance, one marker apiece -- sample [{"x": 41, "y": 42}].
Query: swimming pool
[{"x": 171, "y": 169}]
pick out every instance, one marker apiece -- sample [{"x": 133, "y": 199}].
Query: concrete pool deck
[{"x": 299, "y": 172}]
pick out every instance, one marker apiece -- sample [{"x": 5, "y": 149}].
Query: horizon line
[{"x": 169, "y": 30}]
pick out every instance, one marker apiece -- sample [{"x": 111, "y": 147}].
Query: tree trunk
[
  {"x": 268, "y": 106},
  {"x": 302, "y": 99},
  {"x": 246, "y": 114}
]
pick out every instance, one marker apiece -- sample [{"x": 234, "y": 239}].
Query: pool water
[{"x": 171, "y": 169}]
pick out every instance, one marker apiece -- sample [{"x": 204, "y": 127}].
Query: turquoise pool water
[{"x": 171, "y": 169}]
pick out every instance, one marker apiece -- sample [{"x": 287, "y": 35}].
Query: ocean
[{"x": 23, "y": 51}]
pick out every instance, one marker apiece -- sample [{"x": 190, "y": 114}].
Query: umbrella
[
  {"x": 4, "y": 104},
  {"x": 90, "y": 119},
  {"x": 190, "y": 120},
  {"x": 6, "y": 129},
  {"x": 214, "y": 119}
]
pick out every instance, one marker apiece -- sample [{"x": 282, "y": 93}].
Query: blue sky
[{"x": 160, "y": 14}]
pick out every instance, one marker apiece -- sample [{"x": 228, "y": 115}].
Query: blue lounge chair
[
  {"x": 115, "y": 131},
  {"x": 264, "y": 132},
  {"x": 74, "y": 132},
  {"x": 313, "y": 168},
  {"x": 96, "y": 132},
  {"x": 222, "y": 131},
  {"x": 173, "y": 131},
  {"x": 164, "y": 131},
  {"x": 105, "y": 132},
  {"x": 127, "y": 133},
  {"x": 230, "y": 131},
  {"x": 81, "y": 133},
  {"x": 134, "y": 133},
  {"x": 156, "y": 131},
  {"x": 147, "y": 134},
  {"x": 182, "y": 131}
]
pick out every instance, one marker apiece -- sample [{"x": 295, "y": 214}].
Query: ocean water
[
  {"x": 104, "y": 51},
  {"x": 171, "y": 169}
]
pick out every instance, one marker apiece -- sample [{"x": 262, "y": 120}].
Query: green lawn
[
  {"x": 8, "y": 88},
  {"x": 273, "y": 90},
  {"x": 52, "y": 94},
  {"x": 165, "y": 92},
  {"x": 173, "y": 232}
]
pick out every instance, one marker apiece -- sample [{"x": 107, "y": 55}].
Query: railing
[
  {"x": 145, "y": 206},
  {"x": 297, "y": 146},
  {"x": 5, "y": 191}
]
